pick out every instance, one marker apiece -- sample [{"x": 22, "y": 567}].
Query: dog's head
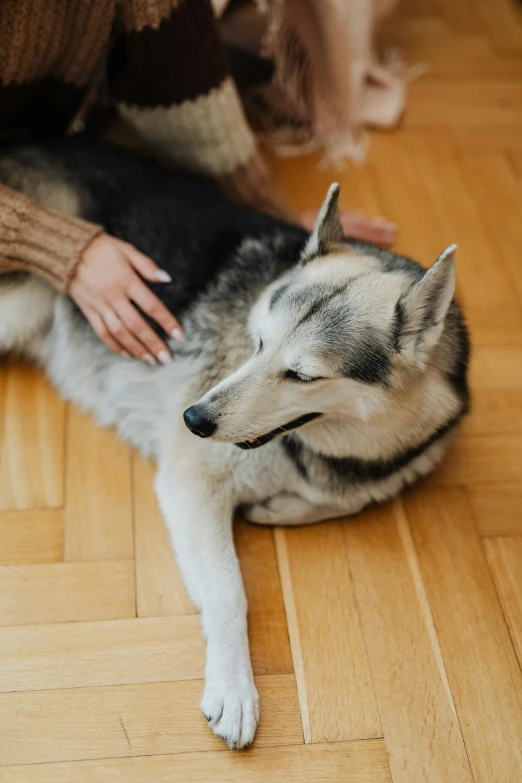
[{"x": 336, "y": 337}]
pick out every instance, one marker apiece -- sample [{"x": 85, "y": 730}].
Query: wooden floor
[{"x": 386, "y": 648}]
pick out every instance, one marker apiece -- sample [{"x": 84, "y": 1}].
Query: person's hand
[{"x": 106, "y": 287}]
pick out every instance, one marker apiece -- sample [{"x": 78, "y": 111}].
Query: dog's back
[{"x": 183, "y": 222}]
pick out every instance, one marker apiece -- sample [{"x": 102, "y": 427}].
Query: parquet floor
[{"x": 386, "y": 648}]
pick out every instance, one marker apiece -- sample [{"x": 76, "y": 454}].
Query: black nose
[{"x": 199, "y": 422}]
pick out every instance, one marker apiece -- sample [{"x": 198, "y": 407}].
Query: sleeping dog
[{"x": 318, "y": 374}]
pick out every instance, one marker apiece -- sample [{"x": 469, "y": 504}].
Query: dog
[{"x": 319, "y": 374}]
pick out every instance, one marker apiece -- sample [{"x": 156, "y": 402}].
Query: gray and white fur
[{"x": 345, "y": 363}]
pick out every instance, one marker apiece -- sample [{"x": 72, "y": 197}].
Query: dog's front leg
[{"x": 198, "y": 510}]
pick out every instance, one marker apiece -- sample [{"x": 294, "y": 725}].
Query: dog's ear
[
  {"x": 421, "y": 312},
  {"x": 327, "y": 230}
]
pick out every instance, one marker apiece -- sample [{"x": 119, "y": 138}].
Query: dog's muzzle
[{"x": 291, "y": 425}]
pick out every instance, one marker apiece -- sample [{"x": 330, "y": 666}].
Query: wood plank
[
  {"x": 356, "y": 762},
  {"x": 333, "y": 677},
  {"x": 132, "y": 720},
  {"x": 498, "y": 194},
  {"x": 497, "y": 368},
  {"x": 503, "y": 22},
  {"x": 459, "y": 57},
  {"x": 496, "y": 382},
  {"x": 495, "y": 325},
  {"x": 66, "y": 592},
  {"x": 515, "y": 161},
  {"x": 483, "y": 672},
  {"x": 494, "y": 412},
  {"x": 98, "y": 512},
  {"x": 504, "y": 556},
  {"x": 464, "y": 102},
  {"x": 486, "y": 284},
  {"x": 421, "y": 24},
  {"x": 487, "y": 139},
  {"x": 268, "y": 636},
  {"x": 159, "y": 587},
  {"x": 305, "y": 185},
  {"x": 31, "y": 469},
  {"x": 109, "y": 652},
  {"x": 421, "y": 729},
  {"x": 485, "y": 459},
  {"x": 31, "y": 536},
  {"x": 460, "y": 18},
  {"x": 403, "y": 192},
  {"x": 497, "y": 508},
  {"x": 359, "y": 191}
]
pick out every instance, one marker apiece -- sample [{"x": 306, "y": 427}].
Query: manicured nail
[
  {"x": 163, "y": 276},
  {"x": 177, "y": 335},
  {"x": 150, "y": 360},
  {"x": 125, "y": 355},
  {"x": 164, "y": 357}
]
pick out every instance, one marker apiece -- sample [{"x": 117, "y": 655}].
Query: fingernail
[
  {"x": 164, "y": 357},
  {"x": 177, "y": 335},
  {"x": 125, "y": 355},
  {"x": 163, "y": 276},
  {"x": 148, "y": 359}
]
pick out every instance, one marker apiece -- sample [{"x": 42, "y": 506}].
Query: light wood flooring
[{"x": 387, "y": 647}]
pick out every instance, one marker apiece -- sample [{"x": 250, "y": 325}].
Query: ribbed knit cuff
[
  {"x": 209, "y": 135},
  {"x": 40, "y": 240}
]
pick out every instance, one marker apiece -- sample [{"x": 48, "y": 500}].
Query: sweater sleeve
[
  {"x": 37, "y": 239},
  {"x": 168, "y": 76}
]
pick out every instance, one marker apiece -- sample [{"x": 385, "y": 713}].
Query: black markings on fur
[
  {"x": 244, "y": 509},
  {"x": 358, "y": 471},
  {"x": 370, "y": 363},
  {"x": 291, "y": 425},
  {"x": 319, "y": 303},
  {"x": 293, "y": 449},
  {"x": 457, "y": 375},
  {"x": 278, "y": 294},
  {"x": 397, "y": 324}
]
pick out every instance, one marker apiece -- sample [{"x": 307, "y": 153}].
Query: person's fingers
[
  {"x": 141, "y": 331},
  {"x": 121, "y": 332},
  {"x": 154, "y": 308},
  {"x": 145, "y": 265},
  {"x": 102, "y": 331}
]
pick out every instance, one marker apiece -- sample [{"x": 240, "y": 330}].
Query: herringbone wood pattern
[{"x": 387, "y": 647}]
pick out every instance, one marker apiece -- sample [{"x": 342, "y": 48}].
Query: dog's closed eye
[{"x": 292, "y": 375}]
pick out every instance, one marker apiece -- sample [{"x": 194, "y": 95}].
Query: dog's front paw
[{"x": 231, "y": 706}]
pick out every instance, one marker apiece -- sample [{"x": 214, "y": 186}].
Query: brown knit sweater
[{"x": 165, "y": 72}]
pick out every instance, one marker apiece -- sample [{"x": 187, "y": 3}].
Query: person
[
  {"x": 328, "y": 82},
  {"x": 164, "y": 69}
]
